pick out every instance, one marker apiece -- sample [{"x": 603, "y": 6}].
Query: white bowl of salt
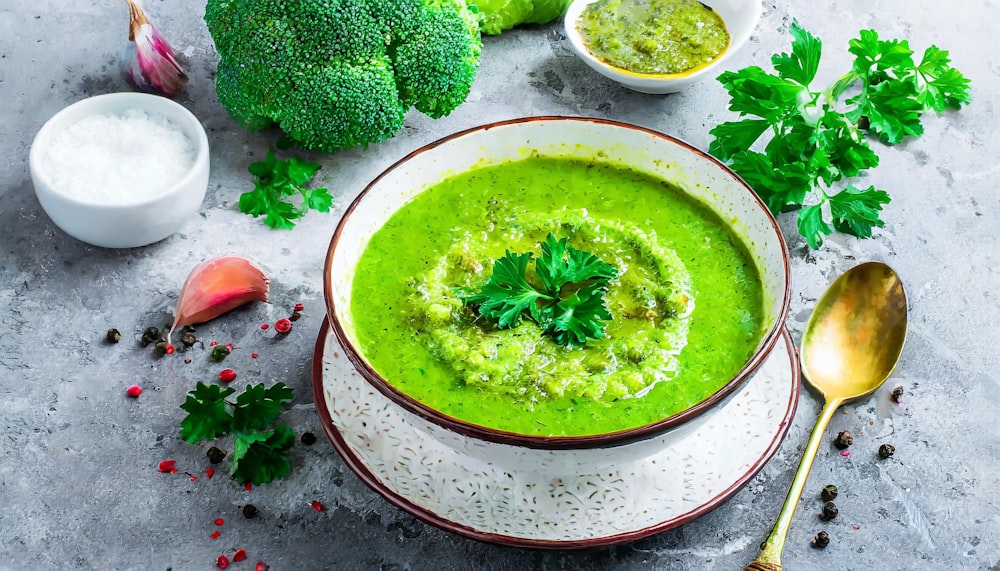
[{"x": 121, "y": 170}]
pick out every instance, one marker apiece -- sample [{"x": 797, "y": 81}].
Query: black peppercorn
[
  {"x": 864, "y": 123},
  {"x": 188, "y": 338},
  {"x": 896, "y": 394},
  {"x": 220, "y": 352},
  {"x": 249, "y": 511},
  {"x": 113, "y": 336},
  {"x": 828, "y": 493},
  {"x": 150, "y": 335},
  {"x": 844, "y": 439},
  {"x": 830, "y": 511},
  {"x": 216, "y": 455},
  {"x": 308, "y": 438},
  {"x": 821, "y": 540},
  {"x": 295, "y": 316},
  {"x": 886, "y": 451}
]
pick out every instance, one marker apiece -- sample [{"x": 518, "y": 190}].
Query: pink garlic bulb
[{"x": 149, "y": 64}]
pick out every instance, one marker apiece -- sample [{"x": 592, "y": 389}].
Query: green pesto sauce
[
  {"x": 653, "y": 36},
  {"x": 687, "y": 308}
]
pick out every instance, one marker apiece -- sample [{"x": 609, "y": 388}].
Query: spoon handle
[{"x": 770, "y": 551}]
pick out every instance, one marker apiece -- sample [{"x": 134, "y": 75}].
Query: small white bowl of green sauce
[{"x": 659, "y": 46}]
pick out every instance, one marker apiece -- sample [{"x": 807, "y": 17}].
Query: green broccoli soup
[{"x": 682, "y": 294}]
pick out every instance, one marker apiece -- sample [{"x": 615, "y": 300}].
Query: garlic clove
[
  {"x": 149, "y": 63},
  {"x": 216, "y": 286}
]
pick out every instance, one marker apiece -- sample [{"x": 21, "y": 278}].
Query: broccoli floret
[
  {"x": 336, "y": 74},
  {"x": 500, "y": 15}
]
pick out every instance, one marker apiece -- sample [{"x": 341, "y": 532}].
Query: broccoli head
[{"x": 336, "y": 74}]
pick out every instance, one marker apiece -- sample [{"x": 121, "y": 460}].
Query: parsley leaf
[
  {"x": 844, "y": 149},
  {"x": 569, "y": 305},
  {"x": 777, "y": 187},
  {"x": 812, "y": 226},
  {"x": 258, "y": 407},
  {"x": 801, "y": 65},
  {"x": 578, "y": 318},
  {"x": 563, "y": 264},
  {"x": 259, "y": 451},
  {"x": 734, "y": 137},
  {"x": 753, "y": 91},
  {"x": 507, "y": 293},
  {"x": 856, "y": 211},
  {"x": 943, "y": 85},
  {"x": 892, "y": 109},
  {"x": 813, "y": 141},
  {"x": 208, "y": 414},
  {"x": 261, "y": 457},
  {"x": 275, "y": 181}
]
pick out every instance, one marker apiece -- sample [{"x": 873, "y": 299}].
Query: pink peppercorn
[
  {"x": 227, "y": 375},
  {"x": 299, "y": 307},
  {"x": 283, "y": 325},
  {"x": 222, "y": 562},
  {"x": 261, "y": 566},
  {"x": 219, "y": 521},
  {"x": 209, "y": 473},
  {"x": 264, "y": 326},
  {"x": 316, "y": 505},
  {"x": 216, "y": 535},
  {"x": 134, "y": 391},
  {"x": 168, "y": 466},
  {"x": 240, "y": 555}
]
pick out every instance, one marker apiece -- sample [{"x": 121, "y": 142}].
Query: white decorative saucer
[{"x": 553, "y": 504}]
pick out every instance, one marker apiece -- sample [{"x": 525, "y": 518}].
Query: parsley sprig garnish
[
  {"x": 568, "y": 303},
  {"x": 278, "y": 179},
  {"x": 259, "y": 449},
  {"x": 817, "y": 142}
]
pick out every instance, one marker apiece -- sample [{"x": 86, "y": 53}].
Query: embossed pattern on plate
[{"x": 547, "y": 500}]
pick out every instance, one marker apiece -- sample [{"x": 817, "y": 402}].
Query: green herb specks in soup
[{"x": 686, "y": 305}]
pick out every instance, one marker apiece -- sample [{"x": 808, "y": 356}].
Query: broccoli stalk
[{"x": 337, "y": 74}]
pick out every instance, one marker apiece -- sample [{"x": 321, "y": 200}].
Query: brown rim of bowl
[
  {"x": 553, "y": 442},
  {"x": 429, "y": 517}
]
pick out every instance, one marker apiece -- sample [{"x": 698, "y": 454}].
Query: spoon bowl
[
  {"x": 855, "y": 334},
  {"x": 850, "y": 346}
]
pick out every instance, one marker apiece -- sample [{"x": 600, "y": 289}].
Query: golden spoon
[{"x": 849, "y": 347}]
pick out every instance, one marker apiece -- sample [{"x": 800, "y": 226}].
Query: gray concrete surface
[{"x": 78, "y": 481}]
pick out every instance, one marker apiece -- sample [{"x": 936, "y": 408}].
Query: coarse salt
[{"x": 118, "y": 159}]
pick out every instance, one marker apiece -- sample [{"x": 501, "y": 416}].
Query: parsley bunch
[
  {"x": 276, "y": 180},
  {"x": 815, "y": 143},
  {"x": 259, "y": 450},
  {"x": 569, "y": 305}
]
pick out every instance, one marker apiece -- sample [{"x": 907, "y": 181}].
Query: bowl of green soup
[
  {"x": 556, "y": 285},
  {"x": 659, "y": 46}
]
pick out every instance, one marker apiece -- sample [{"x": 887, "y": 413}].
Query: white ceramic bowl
[
  {"x": 740, "y": 17},
  {"x": 648, "y": 151},
  {"x": 125, "y": 224},
  {"x": 552, "y": 499}
]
